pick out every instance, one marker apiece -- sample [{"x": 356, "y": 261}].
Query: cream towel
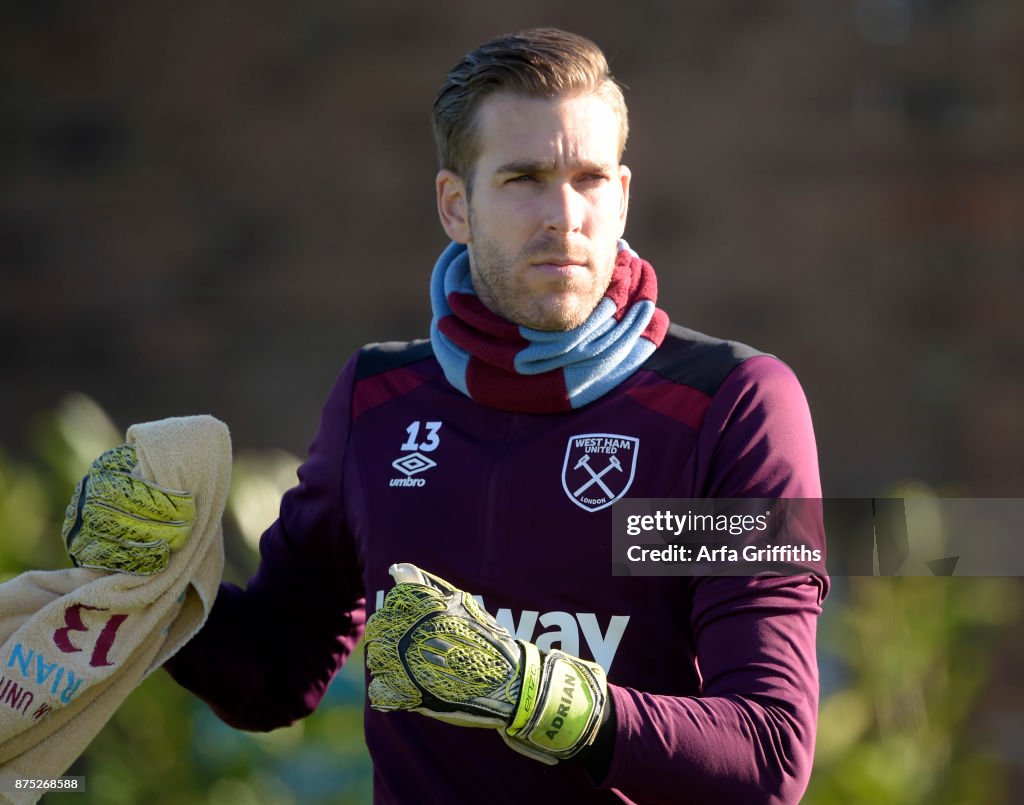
[{"x": 74, "y": 643}]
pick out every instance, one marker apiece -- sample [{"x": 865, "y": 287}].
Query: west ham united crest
[{"x": 599, "y": 468}]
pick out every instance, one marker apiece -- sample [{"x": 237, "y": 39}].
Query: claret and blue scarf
[{"x": 503, "y": 365}]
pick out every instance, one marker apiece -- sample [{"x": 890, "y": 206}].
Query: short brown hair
[{"x": 536, "y": 63}]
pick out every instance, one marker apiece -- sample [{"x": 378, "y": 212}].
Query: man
[{"x": 490, "y": 455}]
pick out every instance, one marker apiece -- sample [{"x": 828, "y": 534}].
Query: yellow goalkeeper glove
[
  {"x": 432, "y": 649},
  {"x": 118, "y": 521}
]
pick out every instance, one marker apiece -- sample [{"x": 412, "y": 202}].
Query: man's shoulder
[
  {"x": 698, "y": 360},
  {"x": 378, "y": 358}
]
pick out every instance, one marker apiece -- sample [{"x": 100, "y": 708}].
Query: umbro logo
[
  {"x": 411, "y": 465},
  {"x": 415, "y": 462}
]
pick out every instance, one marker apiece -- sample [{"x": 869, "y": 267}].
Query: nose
[{"x": 564, "y": 209}]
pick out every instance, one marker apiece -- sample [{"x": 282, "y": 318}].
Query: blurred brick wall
[{"x": 208, "y": 208}]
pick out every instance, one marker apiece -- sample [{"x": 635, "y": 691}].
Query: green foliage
[{"x": 904, "y": 729}]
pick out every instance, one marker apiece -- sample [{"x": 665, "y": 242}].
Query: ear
[
  {"x": 625, "y": 174},
  {"x": 453, "y": 205}
]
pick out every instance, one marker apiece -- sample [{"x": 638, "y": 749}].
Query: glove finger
[
  {"x": 390, "y": 687},
  {"x": 392, "y": 693},
  {"x": 73, "y": 514},
  {"x": 405, "y": 573},
  {"x": 117, "y": 459},
  {"x": 408, "y": 601},
  {"x": 102, "y": 522},
  {"x": 460, "y": 719},
  {"x": 408, "y": 573},
  {"x": 139, "y": 558},
  {"x": 139, "y": 497}
]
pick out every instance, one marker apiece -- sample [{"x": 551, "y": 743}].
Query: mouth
[
  {"x": 559, "y": 269},
  {"x": 558, "y": 262},
  {"x": 558, "y": 259}
]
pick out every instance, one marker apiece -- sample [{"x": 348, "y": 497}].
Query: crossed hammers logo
[{"x": 595, "y": 477}]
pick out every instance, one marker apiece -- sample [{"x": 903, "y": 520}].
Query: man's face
[{"x": 548, "y": 205}]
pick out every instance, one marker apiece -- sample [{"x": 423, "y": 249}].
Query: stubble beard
[{"x": 563, "y": 304}]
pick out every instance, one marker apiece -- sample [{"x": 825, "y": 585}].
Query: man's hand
[
  {"x": 432, "y": 649},
  {"x": 118, "y": 521}
]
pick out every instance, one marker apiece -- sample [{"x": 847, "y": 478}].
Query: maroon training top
[{"x": 714, "y": 680}]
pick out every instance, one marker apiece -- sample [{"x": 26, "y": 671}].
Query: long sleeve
[
  {"x": 749, "y": 736},
  {"x": 268, "y": 652}
]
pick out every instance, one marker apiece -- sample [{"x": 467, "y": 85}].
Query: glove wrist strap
[
  {"x": 563, "y": 697},
  {"x": 529, "y": 687}
]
